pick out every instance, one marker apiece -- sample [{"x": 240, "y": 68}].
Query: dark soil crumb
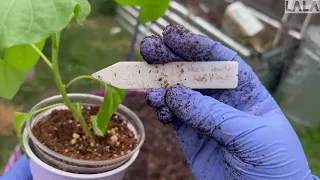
[
  {"x": 160, "y": 157},
  {"x": 64, "y": 135}
]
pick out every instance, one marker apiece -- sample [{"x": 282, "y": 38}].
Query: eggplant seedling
[
  {"x": 22, "y": 46},
  {"x": 25, "y": 26}
]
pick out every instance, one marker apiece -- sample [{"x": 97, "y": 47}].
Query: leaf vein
[
  {"x": 32, "y": 13},
  {"x": 5, "y": 17}
]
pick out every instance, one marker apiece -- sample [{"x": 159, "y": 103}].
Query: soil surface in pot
[
  {"x": 63, "y": 134},
  {"x": 160, "y": 157}
]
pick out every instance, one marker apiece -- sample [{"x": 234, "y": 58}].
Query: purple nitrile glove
[
  {"x": 19, "y": 171},
  {"x": 225, "y": 134}
]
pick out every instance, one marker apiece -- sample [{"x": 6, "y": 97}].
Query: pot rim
[
  {"x": 86, "y": 162},
  {"x": 52, "y": 169}
]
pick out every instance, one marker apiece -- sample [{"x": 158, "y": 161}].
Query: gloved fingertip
[
  {"x": 156, "y": 97},
  {"x": 191, "y": 46},
  {"x": 171, "y": 28},
  {"x": 186, "y": 44},
  {"x": 165, "y": 115},
  {"x": 153, "y": 51},
  {"x": 176, "y": 90},
  {"x": 180, "y": 100},
  {"x": 222, "y": 53}
]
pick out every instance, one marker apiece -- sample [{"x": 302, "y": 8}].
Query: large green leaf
[
  {"x": 112, "y": 98},
  {"x": 150, "y": 9},
  {"x": 11, "y": 79},
  {"x": 19, "y": 120},
  {"x": 31, "y": 21},
  {"x": 23, "y": 57}
]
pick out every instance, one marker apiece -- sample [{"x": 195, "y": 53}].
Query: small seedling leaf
[
  {"x": 19, "y": 120},
  {"x": 95, "y": 126},
  {"x": 112, "y": 98},
  {"x": 82, "y": 10},
  {"x": 151, "y": 10},
  {"x": 31, "y": 21}
]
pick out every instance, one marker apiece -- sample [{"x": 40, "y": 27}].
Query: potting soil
[{"x": 64, "y": 135}]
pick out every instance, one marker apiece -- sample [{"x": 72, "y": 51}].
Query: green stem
[
  {"x": 83, "y": 77},
  {"x": 45, "y": 108},
  {"x": 44, "y": 57},
  {"x": 55, "y": 68}
]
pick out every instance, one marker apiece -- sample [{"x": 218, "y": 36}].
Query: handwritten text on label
[
  {"x": 224, "y": 68},
  {"x": 192, "y": 68},
  {"x": 210, "y": 77}
]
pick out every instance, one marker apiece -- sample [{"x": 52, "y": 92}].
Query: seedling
[{"x": 24, "y": 27}]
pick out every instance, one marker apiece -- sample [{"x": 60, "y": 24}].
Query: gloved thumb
[{"x": 210, "y": 116}]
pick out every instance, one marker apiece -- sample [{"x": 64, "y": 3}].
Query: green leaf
[
  {"x": 2, "y": 53},
  {"x": 112, "y": 99},
  {"x": 95, "y": 127},
  {"x": 19, "y": 120},
  {"x": 82, "y": 10},
  {"x": 18, "y": 61},
  {"x": 129, "y": 2},
  {"x": 11, "y": 79},
  {"x": 23, "y": 57},
  {"x": 31, "y": 21},
  {"x": 150, "y": 9}
]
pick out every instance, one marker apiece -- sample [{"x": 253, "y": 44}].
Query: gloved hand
[
  {"x": 20, "y": 170},
  {"x": 225, "y": 134}
]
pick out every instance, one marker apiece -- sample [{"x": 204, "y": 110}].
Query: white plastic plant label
[{"x": 195, "y": 75}]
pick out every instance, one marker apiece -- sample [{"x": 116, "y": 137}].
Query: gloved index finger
[
  {"x": 153, "y": 51},
  {"x": 195, "y": 47}
]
